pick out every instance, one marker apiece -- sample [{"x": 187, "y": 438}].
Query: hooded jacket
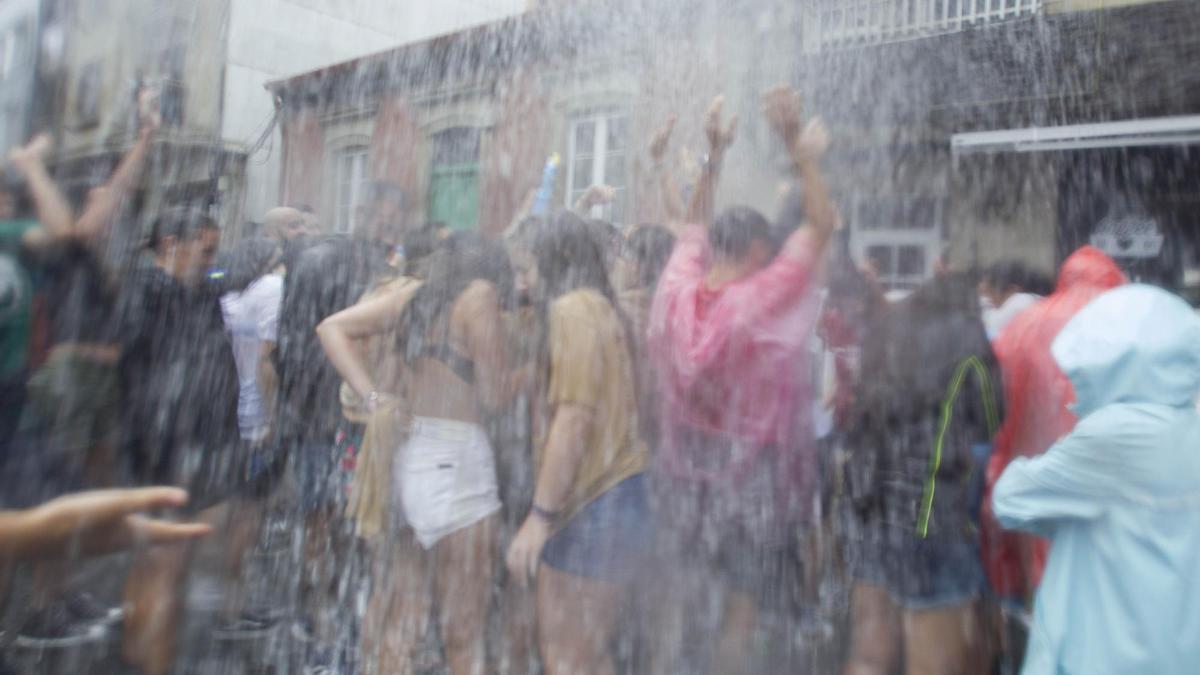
[
  {"x": 1036, "y": 399},
  {"x": 1119, "y": 497}
]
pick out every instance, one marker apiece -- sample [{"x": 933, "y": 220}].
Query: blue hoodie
[{"x": 1119, "y": 497}]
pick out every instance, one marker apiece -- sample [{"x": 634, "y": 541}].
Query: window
[
  {"x": 454, "y": 178},
  {"x": 899, "y": 236},
  {"x": 351, "y": 184},
  {"x": 596, "y": 156}
]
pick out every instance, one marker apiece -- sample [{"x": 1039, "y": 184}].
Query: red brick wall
[
  {"x": 518, "y": 147},
  {"x": 303, "y": 158},
  {"x": 395, "y": 146}
]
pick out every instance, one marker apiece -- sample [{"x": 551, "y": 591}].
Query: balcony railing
[{"x": 834, "y": 23}]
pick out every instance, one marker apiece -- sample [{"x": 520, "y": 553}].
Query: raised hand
[
  {"x": 813, "y": 140},
  {"x": 782, "y": 108},
  {"x": 596, "y": 195},
  {"x": 658, "y": 146},
  {"x": 32, "y": 152},
  {"x": 149, "y": 116},
  {"x": 719, "y": 137}
]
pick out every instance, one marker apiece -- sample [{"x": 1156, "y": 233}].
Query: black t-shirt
[
  {"x": 178, "y": 376},
  {"x": 324, "y": 276},
  {"x": 79, "y": 294}
]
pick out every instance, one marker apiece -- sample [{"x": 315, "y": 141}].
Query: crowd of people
[{"x": 582, "y": 447}]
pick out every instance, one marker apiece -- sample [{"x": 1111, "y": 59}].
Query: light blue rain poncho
[{"x": 1119, "y": 497}]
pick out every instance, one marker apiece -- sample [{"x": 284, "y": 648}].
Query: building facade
[{"x": 933, "y": 104}]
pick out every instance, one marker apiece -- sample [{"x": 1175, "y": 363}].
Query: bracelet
[{"x": 548, "y": 516}]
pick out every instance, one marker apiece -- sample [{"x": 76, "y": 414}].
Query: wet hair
[
  {"x": 1009, "y": 273},
  {"x": 607, "y": 236},
  {"x": 248, "y": 261},
  {"x": 649, "y": 247},
  {"x": 464, "y": 257},
  {"x": 736, "y": 229},
  {"x": 569, "y": 257},
  {"x": 182, "y": 223},
  {"x": 419, "y": 244}
]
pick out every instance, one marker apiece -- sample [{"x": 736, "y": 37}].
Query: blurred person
[
  {"x": 932, "y": 398},
  {"x": 179, "y": 421},
  {"x": 67, "y": 430},
  {"x": 728, "y": 334},
  {"x": 588, "y": 532},
  {"x": 284, "y": 224},
  {"x": 324, "y": 275},
  {"x": 1116, "y": 497},
  {"x": 1007, "y": 288},
  {"x": 253, "y": 290},
  {"x": 450, "y": 342},
  {"x": 1037, "y": 398}
]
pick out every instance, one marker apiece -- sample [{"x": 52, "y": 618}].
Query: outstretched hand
[
  {"x": 35, "y": 150},
  {"x": 813, "y": 140},
  {"x": 595, "y": 195},
  {"x": 104, "y": 521},
  {"x": 658, "y": 146},
  {"x": 782, "y": 108},
  {"x": 149, "y": 115},
  {"x": 719, "y": 137}
]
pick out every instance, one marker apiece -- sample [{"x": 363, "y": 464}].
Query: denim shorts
[
  {"x": 610, "y": 539},
  {"x": 918, "y": 573}
]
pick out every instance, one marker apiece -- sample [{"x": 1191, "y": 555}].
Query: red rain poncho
[
  {"x": 733, "y": 362},
  {"x": 1036, "y": 396}
]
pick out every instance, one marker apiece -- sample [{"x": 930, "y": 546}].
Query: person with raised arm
[{"x": 728, "y": 333}]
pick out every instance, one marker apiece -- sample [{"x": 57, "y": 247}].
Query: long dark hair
[
  {"x": 649, "y": 247},
  {"x": 569, "y": 257},
  {"x": 248, "y": 261},
  {"x": 464, "y": 257}
]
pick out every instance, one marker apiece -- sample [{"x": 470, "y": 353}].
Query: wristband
[{"x": 548, "y": 516}]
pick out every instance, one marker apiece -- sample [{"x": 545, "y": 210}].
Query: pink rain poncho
[
  {"x": 733, "y": 363},
  {"x": 1036, "y": 399}
]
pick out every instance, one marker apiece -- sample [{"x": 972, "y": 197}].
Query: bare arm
[
  {"x": 369, "y": 317},
  {"x": 53, "y": 212},
  {"x": 485, "y": 339},
  {"x": 806, "y": 146},
  {"x": 669, "y": 198},
  {"x": 268, "y": 379},
  {"x": 700, "y": 209},
  {"x": 97, "y": 217},
  {"x": 564, "y": 449}
]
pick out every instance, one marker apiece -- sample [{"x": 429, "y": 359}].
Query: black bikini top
[{"x": 463, "y": 367}]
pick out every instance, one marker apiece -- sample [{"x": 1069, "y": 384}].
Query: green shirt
[{"x": 16, "y": 298}]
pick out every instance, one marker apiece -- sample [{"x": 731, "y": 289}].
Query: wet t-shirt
[
  {"x": 252, "y": 317},
  {"x": 177, "y": 372},
  {"x": 733, "y": 363},
  {"x": 590, "y": 367}
]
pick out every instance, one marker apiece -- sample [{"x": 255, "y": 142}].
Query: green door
[
  {"x": 454, "y": 195},
  {"x": 454, "y": 178}
]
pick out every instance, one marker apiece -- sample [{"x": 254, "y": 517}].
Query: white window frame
[
  {"x": 928, "y": 239},
  {"x": 350, "y": 191},
  {"x": 600, "y": 154}
]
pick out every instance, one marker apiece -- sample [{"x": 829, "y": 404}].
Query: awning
[{"x": 1184, "y": 130}]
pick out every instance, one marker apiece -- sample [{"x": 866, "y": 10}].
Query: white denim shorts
[{"x": 445, "y": 478}]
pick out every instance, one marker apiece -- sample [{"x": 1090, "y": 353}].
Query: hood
[
  {"x": 1134, "y": 344},
  {"x": 1089, "y": 267}
]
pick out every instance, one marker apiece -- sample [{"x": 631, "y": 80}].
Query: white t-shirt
[{"x": 252, "y": 318}]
